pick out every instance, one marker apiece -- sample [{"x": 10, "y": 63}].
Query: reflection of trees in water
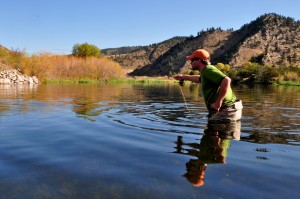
[
  {"x": 92, "y": 103},
  {"x": 265, "y": 138},
  {"x": 85, "y": 108},
  {"x": 3, "y": 108},
  {"x": 270, "y": 114},
  {"x": 264, "y": 123}
]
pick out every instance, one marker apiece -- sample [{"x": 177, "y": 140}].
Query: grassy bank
[
  {"x": 145, "y": 80},
  {"x": 69, "y": 81},
  {"x": 287, "y": 83},
  {"x": 140, "y": 80},
  {"x": 132, "y": 80}
]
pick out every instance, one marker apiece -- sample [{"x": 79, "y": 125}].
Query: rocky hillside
[
  {"x": 134, "y": 57},
  {"x": 173, "y": 61},
  {"x": 271, "y": 39}
]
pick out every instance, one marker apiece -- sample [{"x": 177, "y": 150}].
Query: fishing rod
[{"x": 181, "y": 83}]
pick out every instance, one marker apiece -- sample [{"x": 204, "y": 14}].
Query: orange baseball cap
[{"x": 199, "y": 54}]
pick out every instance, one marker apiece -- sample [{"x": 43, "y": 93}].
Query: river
[{"x": 146, "y": 141}]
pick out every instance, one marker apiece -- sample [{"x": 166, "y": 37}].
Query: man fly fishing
[{"x": 218, "y": 95}]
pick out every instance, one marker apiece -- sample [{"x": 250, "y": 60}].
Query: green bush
[
  {"x": 225, "y": 68},
  {"x": 86, "y": 50},
  {"x": 267, "y": 75},
  {"x": 249, "y": 69}
]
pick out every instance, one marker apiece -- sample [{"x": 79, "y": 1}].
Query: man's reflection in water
[{"x": 212, "y": 149}]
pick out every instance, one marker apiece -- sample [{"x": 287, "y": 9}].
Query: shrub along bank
[
  {"x": 256, "y": 73},
  {"x": 47, "y": 67}
]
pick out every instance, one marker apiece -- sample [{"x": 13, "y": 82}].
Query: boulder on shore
[{"x": 12, "y": 76}]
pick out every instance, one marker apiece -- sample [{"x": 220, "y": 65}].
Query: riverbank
[
  {"x": 12, "y": 76},
  {"x": 287, "y": 83},
  {"x": 145, "y": 80}
]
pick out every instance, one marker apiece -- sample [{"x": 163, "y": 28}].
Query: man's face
[{"x": 195, "y": 64}]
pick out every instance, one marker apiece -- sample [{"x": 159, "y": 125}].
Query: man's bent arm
[{"x": 224, "y": 88}]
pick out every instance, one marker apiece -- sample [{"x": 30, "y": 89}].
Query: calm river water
[{"x": 141, "y": 141}]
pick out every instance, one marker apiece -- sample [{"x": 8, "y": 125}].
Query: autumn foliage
[{"x": 47, "y": 66}]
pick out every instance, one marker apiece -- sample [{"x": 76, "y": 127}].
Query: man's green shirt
[{"x": 211, "y": 78}]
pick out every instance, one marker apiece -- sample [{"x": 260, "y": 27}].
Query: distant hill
[
  {"x": 271, "y": 39},
  {"x": 134, "y": 57}
]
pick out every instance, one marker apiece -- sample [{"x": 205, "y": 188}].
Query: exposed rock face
[{"x": 13, "y": 76}]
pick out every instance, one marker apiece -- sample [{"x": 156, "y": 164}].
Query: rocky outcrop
[{"x": 12, "y": 76}]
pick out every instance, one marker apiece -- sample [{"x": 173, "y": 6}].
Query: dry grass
[
  {"x": 47, "y": 66},
  {"x": 291, "y": 76}
]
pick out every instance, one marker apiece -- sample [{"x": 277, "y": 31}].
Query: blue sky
[{"x": 56, "y": 25}]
